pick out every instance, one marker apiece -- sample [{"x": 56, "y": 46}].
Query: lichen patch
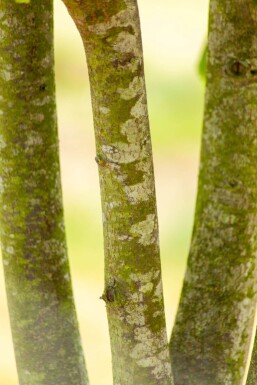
[
  {"x": 9, "y": 249},
  {"x": 2, "y": 142},
  {"x": 145, "y": 230},
  {"x": 38, "y": 117},
  {"x": 134, "y": 89},
  {"x": 34, "y": 140},
  {"x": 151, "y": 351},
  {"x": 5, "y": 74},
  {"x": 148, "y": 287},
  {"x": 158, "y": 291},
  {"x": 123, "y": 18},
  {"x": 125, "y": 237},
  {"x": 47, "y": 61},
  {"x": 104, "y": 110},
  {"x": 125, "y": 152},
  {"x": 134, "y": 130},
  {"x": 140, "y": 108},
  {"x": 140, "y": 192},
  {"x": 145, "y": 277},
  {"x": 42, "y": 101}
]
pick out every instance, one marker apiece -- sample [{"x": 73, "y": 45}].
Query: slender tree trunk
[
  {"x": 213, "y": 328},
  {"x": 110, "y": 32},
  {"x": 252, "y": 374},
  {"x": 43, "y": 320}
]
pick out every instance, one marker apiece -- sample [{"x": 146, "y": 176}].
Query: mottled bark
[
  {"x": 212, "y": 333},
  {"x": 110, "y": 32},
  {"x": 252, "y": 374},
  {"x": 43, "y": 320}
]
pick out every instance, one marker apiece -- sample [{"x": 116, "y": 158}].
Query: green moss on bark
[
  {"x": 133, "y": 291},
  {"x": 213, "y": 329},
  {"x": 43, "y": 320}
]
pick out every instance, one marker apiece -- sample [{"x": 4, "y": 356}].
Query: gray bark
[
  {"x": 212, "y": 334},
  {"x": 133, "y": 287},
  {"x": 38, "y": 283}
]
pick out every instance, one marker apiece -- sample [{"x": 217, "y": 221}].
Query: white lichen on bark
[
  {"x": 111, "y": 35},
  {"x": 213, "y": 329},
  {"x": 145, "y": 230},
  {"x": 40, "y": 300}
]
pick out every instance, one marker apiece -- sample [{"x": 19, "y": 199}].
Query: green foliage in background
[{"x": 202, "y": 63}]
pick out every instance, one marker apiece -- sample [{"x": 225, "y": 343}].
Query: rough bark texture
[
  {"x": 43, "y": 320},
  {"x": 213, "y": 328},
  {"x": 110, "y": 32},
  {"x": 252, "y": 374}
]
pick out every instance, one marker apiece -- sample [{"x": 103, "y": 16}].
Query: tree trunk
[
  {"x": 133, "y": 287},
  {"x": 213, "y": 329},
  {"x": 252, "y": 374},
  {"x": 43, "y": 320}
]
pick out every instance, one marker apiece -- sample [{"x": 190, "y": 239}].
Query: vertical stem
[
  {"x": 38, "y": 284},
  {"x": 252, "y": 372},
  {"x": 213, "y": 329},
  {"x": 110, "y": 32}
]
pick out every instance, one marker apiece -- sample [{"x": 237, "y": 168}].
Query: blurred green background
[{"x": 174, "y": 33}]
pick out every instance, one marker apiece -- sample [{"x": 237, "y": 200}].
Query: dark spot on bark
[
  {"x": 130, "y": 29},
  {"x": 237, "y": 68},
  {"x": 89, "y": 19},
  {"x": 100, "y": 160},
  {"x": 123, "y": 61},
  {"x": 99, "y": 15},
  {"x": 42, "y": 87},
  {"x": 110, "y": 294},
  {"x": 96, "y": 16},
  {"x": 233, "y": 183},
  {"x": 30, "y": 274}
]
